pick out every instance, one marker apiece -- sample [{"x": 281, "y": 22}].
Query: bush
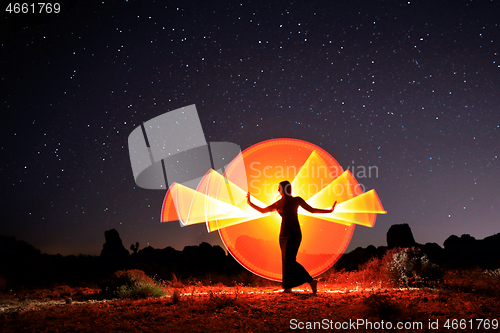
[
  {"x": 410, "y": 267},
  {"x": 374, "y": 273},
  {"x": 132, "y": 284}
]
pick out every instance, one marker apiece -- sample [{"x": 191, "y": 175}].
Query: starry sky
[{"x": 411, "y": 87}]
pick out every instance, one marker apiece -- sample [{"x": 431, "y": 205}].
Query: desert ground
[{"x": 465, "y": 301}]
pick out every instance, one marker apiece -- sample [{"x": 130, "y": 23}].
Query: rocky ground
[{"x": 246, "y": 309}]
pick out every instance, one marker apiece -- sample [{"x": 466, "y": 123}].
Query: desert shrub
[
  {"x": 175, "y": 283},
  {"x": 343, "y": 279},
  {"x": 410, "y": 267},
  {"x": 140, "y": 290},
  {"x": 132, "y": 284},
  {"x": 193, "y": 282},
  {"x": 374, "y": 273}
]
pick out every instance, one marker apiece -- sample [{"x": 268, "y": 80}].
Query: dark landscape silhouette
[
  {"x": 201, "y": 288},
  {"x": 22, "y": 265}
]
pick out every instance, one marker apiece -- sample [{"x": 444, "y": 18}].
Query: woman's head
[{"x": 285, "y": 188}]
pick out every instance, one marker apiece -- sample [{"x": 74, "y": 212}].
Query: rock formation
[
  {"x": 113, "y": 248},
  {"x": 400, "y": 235}
]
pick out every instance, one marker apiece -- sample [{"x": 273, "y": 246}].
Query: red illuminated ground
[{"x": 244, "y": 309}]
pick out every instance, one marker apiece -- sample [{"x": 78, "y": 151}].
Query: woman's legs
[
  {"x": 314, "y": 286},
  {"x": 294, "y": 274}
]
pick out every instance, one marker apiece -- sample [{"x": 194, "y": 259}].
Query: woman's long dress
[{"x": 294, "y": 274}]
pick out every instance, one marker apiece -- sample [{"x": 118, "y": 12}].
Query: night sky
[{"x": 411, "y": 87}]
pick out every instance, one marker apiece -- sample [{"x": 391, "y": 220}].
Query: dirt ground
[{"x": 245, "y": 309}]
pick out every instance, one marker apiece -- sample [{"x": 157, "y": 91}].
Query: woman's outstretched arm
[
  {"x": 268, "y": 209},
  {"x": 310, "y": 209}
]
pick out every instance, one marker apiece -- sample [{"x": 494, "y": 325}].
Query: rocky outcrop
[
  {"x": 400, "y": 235},
  {"x": 113, "y": 248},
  {"x": 468, "y": 252}
]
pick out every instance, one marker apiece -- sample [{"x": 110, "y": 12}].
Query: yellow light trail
[{"x": 220, "y": 203}]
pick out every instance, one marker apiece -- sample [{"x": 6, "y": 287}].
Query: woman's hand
[{"x": 333, "y": 207}]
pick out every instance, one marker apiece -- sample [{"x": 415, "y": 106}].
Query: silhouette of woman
[{"x": 294, "y": 274}]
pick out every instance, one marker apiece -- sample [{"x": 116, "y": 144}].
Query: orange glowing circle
[{"x": 255, "y": 244}]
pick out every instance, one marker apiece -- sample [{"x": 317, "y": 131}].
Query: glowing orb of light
[
  {"x": 252, "y": 238},
  {"x": 256, "y": 245}
]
